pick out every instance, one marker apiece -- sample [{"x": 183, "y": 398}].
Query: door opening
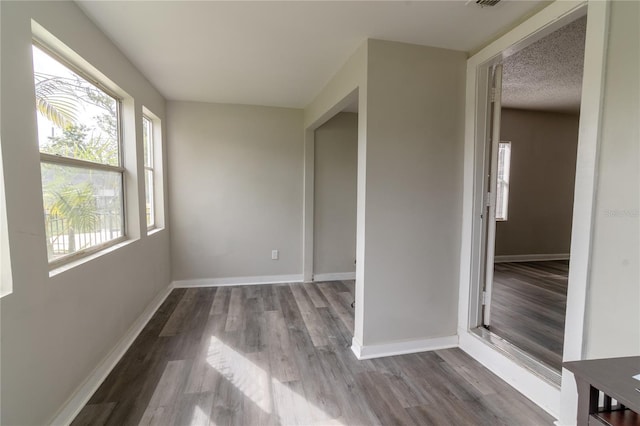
[
  {"x": 527, "y": 187},
  {"x": 330, "y": 225}
]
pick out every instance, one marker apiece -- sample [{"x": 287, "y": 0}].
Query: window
[
  {"x": 6, "y": 283},
  {"x": 80, "y": 160},
  {"x": 502, "y": 195},
  {"x": 149, "y": 184}
]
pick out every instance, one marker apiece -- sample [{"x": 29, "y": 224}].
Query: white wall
[
  {"x": 235, "y": 191},
  {"x": 56, "y": 330},
  {"x": 336, "y": 164},
  {"x": 613, "y": 301},
  {"x": 415, "y": 113},
  {"x": 410, "y": 139}
]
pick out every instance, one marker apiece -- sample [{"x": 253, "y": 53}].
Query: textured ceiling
[
  {"x": 547, "y": 75},
  {"x": 280, "y": 53}
]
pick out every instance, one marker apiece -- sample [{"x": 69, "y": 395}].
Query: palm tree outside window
[{"x": 80, "y": 159}]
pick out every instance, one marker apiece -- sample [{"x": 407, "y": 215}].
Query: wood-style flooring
[
  {"x": 528, "y": 307},
  {"x": 280, "y": 355}
]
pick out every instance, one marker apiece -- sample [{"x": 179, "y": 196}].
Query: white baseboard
[
  {"x": 542, "y": 393},
  {"x": 83, "y": 393},
  {"x": 530, "y": 257},
  {"x": 335, "y": 276},
  {"x": 403, "y": 347},
  {"x": 229, "y": 281}
]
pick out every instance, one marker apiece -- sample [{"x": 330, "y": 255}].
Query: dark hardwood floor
[
  {"x": 528, "y": 307},
  {"x": 280, "y": 354}
]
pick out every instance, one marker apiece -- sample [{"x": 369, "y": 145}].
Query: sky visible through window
[{"x": 86, "y": 109}]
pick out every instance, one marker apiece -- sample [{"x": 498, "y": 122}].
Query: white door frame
[
  {"x": 561, "y": 403},
  {"x": 489, "y": 214}
]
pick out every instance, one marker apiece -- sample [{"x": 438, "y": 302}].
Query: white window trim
[
  {"x": 158, "y": 174},
  {"x": 505, "y": 196},
  {"x": 84, "y": 164},
  {"x": 6, "y": 277},
  {"x": 152, "y": 153}
]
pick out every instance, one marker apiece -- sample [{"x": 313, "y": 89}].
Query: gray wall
[
  {"x": 336, "y": 169},
  {"x": 56, "y": 329},
  {"x": 613, "y": 299},
  {"x": 543, "y": 169},
  {"x": 236, "y": 190},
  {"x": 414, "y": 141}
]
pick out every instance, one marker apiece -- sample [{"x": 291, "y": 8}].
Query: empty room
[{"x": 284, "y": 213}]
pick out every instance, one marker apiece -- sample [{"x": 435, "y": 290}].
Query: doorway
[
  {"x": 334, "y": 216},
  {"x": 335, "y": 196},
  {"x": 560, "y": 401},
  {"x": 330, "y": 206},
  {"x": 529, "y": 169}
]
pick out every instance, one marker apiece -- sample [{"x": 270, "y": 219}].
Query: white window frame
[
  {"x": 150, "y": 168},
  {"x": 6, "y": 278},
  {"x": 89, "y": 165},
  {"x": 502, "y": 189}
]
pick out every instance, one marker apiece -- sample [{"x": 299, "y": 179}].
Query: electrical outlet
[{"x": 275, "y": 254}]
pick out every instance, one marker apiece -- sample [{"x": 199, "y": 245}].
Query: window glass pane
[
  {"x": 75, "y": 118},
  {"x": 504, "y": 165},
  {"x": 148, "y": 189},
  {"x": 500, "y": 201},
  {"x": 82, "y": 208},
  {"x": 147, "y": 142}
]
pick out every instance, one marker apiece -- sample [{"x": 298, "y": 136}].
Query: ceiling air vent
[{"x": 484, "y": 3}]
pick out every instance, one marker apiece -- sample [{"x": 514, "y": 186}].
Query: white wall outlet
[{"x": 275, "y": 254}]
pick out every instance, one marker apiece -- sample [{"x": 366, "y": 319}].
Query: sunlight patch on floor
[{"x": 257, "y": 384}]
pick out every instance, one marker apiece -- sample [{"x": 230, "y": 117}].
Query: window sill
[
  {"x": 154, "y": 230},
  {"x": 59, "y": 269},
  {"x": 4, "y": 293}
]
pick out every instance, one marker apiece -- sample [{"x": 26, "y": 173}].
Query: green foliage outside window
[{"x": 77, "y": 120}]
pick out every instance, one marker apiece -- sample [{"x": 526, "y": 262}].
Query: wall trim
[
  {"x": 230, "y": 281},
  {"x": 402, "y": 347},
  {"x": 79, "y": 398},
  {"x": 530, "y": 257},
  {"x": 335, "y": 276}
]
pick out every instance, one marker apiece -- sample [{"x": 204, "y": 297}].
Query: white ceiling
[
  {"x": 280, "y": 53},
  {"x": 547, "y": 75}
]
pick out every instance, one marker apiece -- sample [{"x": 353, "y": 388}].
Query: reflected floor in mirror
[{"x": 529, "y": 306}]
